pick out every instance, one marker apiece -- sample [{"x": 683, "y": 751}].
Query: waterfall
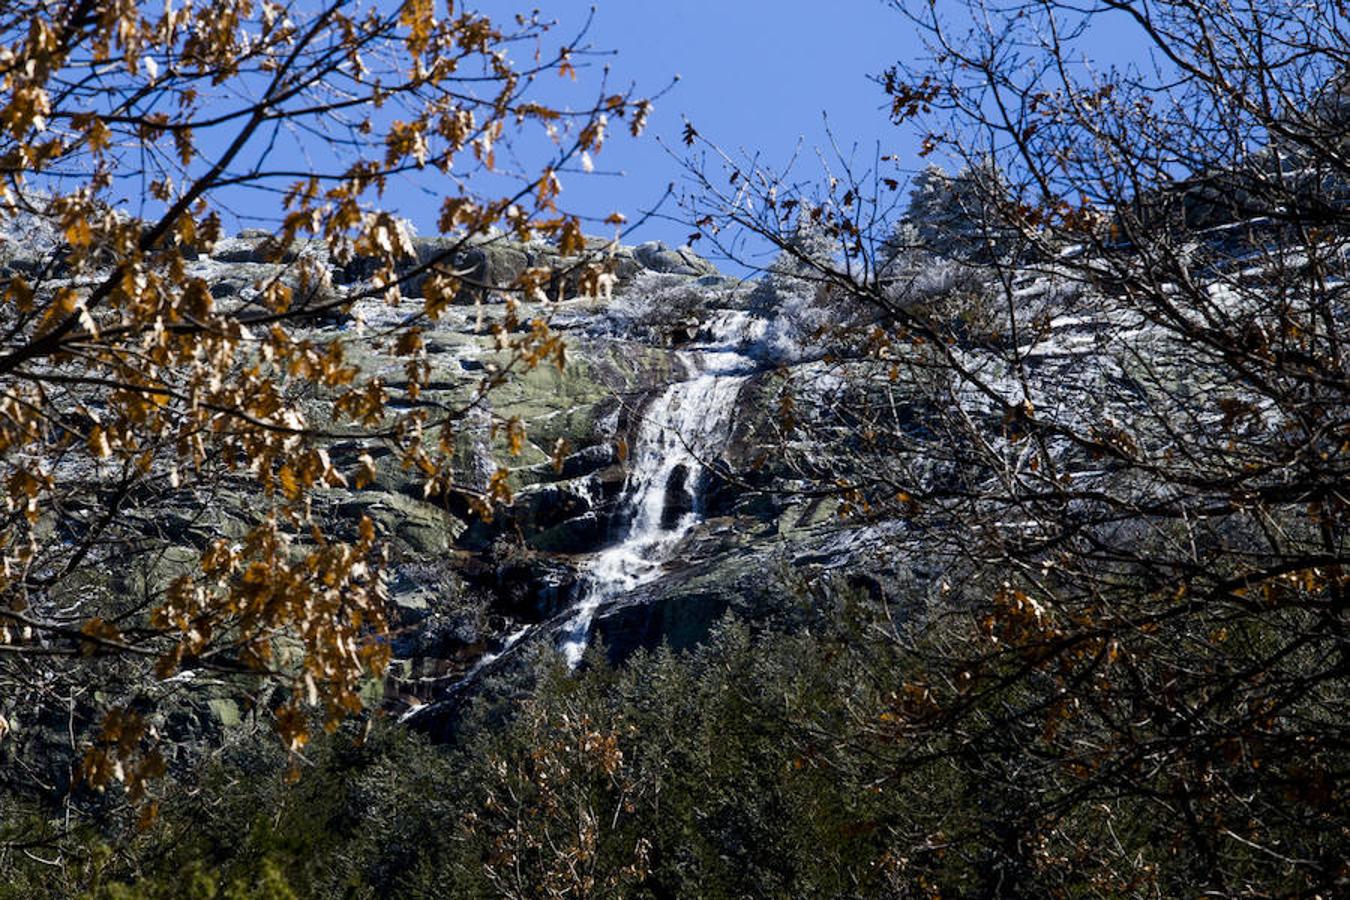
[
  {"x": 467, "y": 678},
  {"x": 681, "y": 431}
]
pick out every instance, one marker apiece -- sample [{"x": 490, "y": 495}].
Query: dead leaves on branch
[{"x": 118, "y": 363}]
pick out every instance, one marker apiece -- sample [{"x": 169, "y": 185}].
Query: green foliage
[
  {"x": 693, "y": 775},
  {"x": 196, "y": 884},
  {"x": 812, "y": 764}
]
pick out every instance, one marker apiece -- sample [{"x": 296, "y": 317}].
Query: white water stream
[{"x": 685, "y": 428}]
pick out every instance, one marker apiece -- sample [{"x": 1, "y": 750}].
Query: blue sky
[{"x": 754, "y": 75}]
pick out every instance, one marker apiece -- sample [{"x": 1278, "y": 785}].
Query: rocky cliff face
[
  {"x": 467, "y": 586},
  {"x": 653, "y": 493},
  {"x": 653, "y": 526},
  {"x": 637, "y": 515}
]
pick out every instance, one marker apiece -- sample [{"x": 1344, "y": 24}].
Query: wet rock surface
[
  {"x": 676, "y": 520},
  {"x": 634, "y": 493}
]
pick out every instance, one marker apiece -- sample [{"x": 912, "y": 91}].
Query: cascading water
[{"x": 681, "y": 431}]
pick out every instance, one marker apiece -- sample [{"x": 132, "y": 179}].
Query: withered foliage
[{"x": 124, "y": 382}]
